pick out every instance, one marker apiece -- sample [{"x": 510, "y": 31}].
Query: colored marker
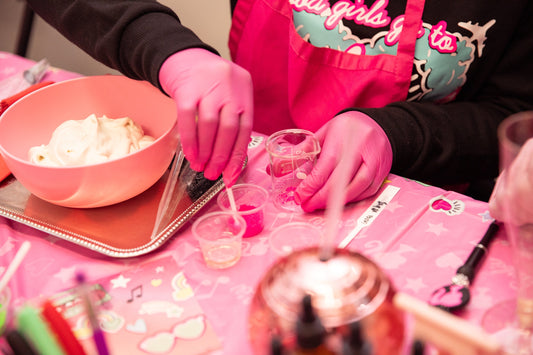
[
  {"x": 98, "y": 335},
  {"x": 62, "y": 329},
  {"x": 33, "y": 328}
]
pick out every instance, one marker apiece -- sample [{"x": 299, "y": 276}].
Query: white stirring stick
[
  {"x": 231, "y": 199},
  {"x": 15, "y": 263},
  {"x": 335, "y": 205},
  {"x": 232, "y": 203}
]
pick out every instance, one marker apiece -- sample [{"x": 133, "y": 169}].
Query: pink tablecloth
[{"x": 420, "y": 239}]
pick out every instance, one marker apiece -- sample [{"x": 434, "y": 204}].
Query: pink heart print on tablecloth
[{"x": 444, "y": 205}]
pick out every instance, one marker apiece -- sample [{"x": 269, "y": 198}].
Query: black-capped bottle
[
  {"x": 418, "y": 348},
  {"x": 355, "y": 343},
  {"x": 310, "y": 332},
  {"x": 276, "y": 346}
]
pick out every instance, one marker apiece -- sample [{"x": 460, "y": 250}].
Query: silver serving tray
[{"x": 122, "y": 230}]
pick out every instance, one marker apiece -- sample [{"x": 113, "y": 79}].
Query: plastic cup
[
  {"x": 294, "y": 236},
  {"x": 293, "y": 154},
  {"x": 250, "y": 201},
  {"x": 220, "y": 237}
]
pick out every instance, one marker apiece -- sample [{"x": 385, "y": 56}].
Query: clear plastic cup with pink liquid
[
  {"x": 293, "y": 154},
  {"x": 250, "y": 201}
]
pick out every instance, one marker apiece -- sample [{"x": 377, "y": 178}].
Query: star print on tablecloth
[
  {"x": 393, "y": 205},
  {"x": 159, "y": 269},
  {"x": 66, "y": 274},
  {"x": 437, "y": 229},
  {"x": 486, "y": 217},
  {"x": 415, "y": 284},
  {"x": 120, "y": 281}
]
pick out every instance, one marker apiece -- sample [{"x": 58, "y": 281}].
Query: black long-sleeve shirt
[{"x": 440, "y": 143}]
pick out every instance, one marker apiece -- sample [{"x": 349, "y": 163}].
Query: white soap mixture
[{"x": 89, "y": 141}]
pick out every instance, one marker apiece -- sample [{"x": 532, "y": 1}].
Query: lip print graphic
[
  {"x": 444, "y": 205},
  {"x": 163, "y": 342},
  {"x": 191, "y": 328},
  {"x": 160, "y": 343}
]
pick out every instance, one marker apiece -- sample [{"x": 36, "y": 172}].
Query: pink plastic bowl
[{"x": 31, "y": 121}]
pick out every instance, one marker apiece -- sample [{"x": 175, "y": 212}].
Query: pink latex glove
[
  {"x": 215, "y": 110},
  {"x": 371, "y": 166},
  {"x": 515, "y": 184}
]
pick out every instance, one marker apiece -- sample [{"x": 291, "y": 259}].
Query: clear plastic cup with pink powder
[{"x": 250, "y": 201}]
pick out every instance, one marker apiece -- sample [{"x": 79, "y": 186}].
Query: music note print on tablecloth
[{"x": 136, "y": 292}]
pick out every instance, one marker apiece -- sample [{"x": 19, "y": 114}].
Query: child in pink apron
[
  {"x": 299, "y": 85},
  {"x": 406, "y": 123}
]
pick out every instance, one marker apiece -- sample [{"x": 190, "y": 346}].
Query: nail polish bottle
[
  {"x": 354, "y": 343},
  {"x": 276, "y": 347},
  {"x": 417, "y": 348},
  {"x": 310, "y": 332}
]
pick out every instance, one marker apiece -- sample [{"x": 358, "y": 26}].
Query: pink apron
[{"x": 299, "y": 85}]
